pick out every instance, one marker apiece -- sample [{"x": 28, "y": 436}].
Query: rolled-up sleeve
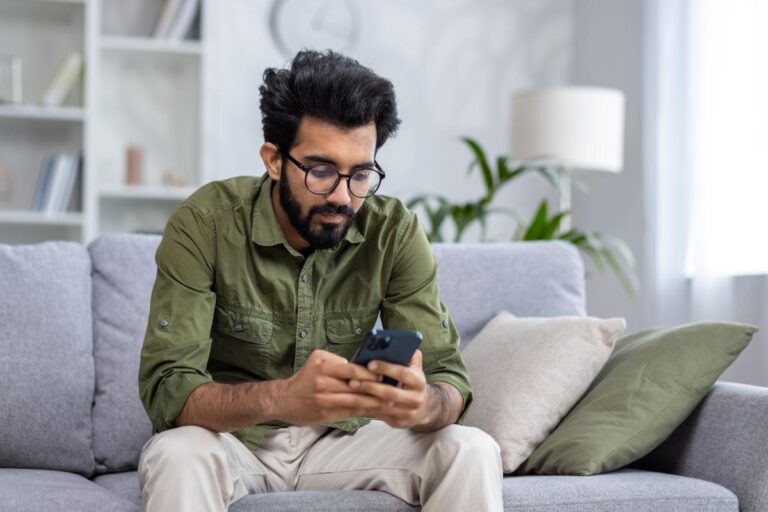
[
  {"x": 412, "y": 302},
  {"x": 177, "y": 341}
]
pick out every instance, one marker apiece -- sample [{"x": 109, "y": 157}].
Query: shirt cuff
[{"x": 174, "y": 391}]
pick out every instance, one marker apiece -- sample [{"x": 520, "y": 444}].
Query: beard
[{"x": 319, "y": 234}]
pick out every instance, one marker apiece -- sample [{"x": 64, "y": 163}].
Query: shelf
[
  {"x": 158, "y": 193},
  {"x": 73, "y": 114},
  {"x": 152, "y": 45},
  {"x": 41, "y": 218}
]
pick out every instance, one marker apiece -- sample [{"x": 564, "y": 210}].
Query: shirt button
[
  {"x": 304, "y": 277},
  {"x": 445, "y": 323},
  {"x": 303, "y": 333},
  {"x": 163, "y": 322},
  {"x": 358, "y": 331},
  {"x": 238, "y": 327}
]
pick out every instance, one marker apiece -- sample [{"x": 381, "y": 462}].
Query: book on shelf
[
  {"x": 56, "y": 184},
  {"x": 64, "y": 80},
  {"x": 176, "y": 18}
]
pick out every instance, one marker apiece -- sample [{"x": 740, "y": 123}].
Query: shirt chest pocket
[
  {"x": 346, "y": 332},
  {"x": 245, "y": 339}
]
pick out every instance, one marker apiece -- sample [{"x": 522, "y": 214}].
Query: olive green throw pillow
[{"x": 651, "y": 383}]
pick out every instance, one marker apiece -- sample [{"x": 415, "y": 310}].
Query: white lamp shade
[{"x": 579, "y": 127}]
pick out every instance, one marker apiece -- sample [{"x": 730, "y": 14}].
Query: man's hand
[
  {"x": 320, "y": 392},
  {"x": 404, "y": 405}
]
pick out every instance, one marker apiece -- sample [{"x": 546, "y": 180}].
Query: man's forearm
[
  {"x": 444, "y": 405},
  {"x": 227, "y": 407}
]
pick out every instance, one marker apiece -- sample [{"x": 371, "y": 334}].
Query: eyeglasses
[{"x": 322, "y": 179}]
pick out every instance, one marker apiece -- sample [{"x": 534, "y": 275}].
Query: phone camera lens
[{"x": 385, "y": 342}]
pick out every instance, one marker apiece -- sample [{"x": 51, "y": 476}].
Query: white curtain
[{"x": 707, "y": 122}]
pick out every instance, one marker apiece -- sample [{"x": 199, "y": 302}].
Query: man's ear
[{"x": 272, "y": 159}]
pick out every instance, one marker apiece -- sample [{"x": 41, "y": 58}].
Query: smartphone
[{"x": 391, "y": 345}]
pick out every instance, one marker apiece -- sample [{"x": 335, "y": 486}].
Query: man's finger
[
  {"x": 398, "y": 372},
  {"x": 328, "y": 384},
  {"x": 348, "y": 371},
  {"x": 416, "y": 360},
  {"x": 397, "y": 397},
  {"x": 349, "y": 401}
]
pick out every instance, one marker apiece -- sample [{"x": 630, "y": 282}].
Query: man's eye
[
  {"x": 323, "y": 172},
  {"x": 362, "y": 175}
]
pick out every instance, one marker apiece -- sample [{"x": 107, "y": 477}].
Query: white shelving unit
[
  {"x": 149, "y": 95},
  {"x": 42, "y": 32},
  {"x": 136, "y": 91}
]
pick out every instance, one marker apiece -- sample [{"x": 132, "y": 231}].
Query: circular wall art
[{"x": 298, "y": 24}]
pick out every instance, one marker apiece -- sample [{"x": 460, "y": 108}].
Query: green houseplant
[{"x": 604, "y": 250}]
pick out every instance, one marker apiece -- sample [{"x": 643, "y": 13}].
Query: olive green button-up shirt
[{"x": 234, "y": 302}]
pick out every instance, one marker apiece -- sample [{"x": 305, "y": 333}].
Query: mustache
[{"x": 330, "y": 209}]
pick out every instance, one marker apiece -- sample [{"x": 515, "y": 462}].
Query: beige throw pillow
[{"x": 527, "y": 373}]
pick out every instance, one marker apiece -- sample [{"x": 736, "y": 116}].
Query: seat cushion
[
  {"x": 625, "y": 490},
  {"x": 125, "y": 485},
  {"x": 39, "y": 490},
  {"x": 544, "y": 278},
  {"x": 123, "y": 274},
  {"x": 46, "y": 357}
]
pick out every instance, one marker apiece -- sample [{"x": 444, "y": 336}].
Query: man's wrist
[
  {"x": 270, "y": 397},
  {"x": 429, "y": 409}
]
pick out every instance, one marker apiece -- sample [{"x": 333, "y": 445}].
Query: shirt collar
[{"x": 265, "y": 229}]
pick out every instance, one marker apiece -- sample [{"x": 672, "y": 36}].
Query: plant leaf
[
  {"x": 482, "y": 163},
  {"x": 538, "y": 223}
]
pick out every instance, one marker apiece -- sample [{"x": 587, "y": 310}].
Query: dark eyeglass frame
[{"x": 307, "y": 168}]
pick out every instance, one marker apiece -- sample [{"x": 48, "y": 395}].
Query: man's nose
[{"x": 340, "y": 194}]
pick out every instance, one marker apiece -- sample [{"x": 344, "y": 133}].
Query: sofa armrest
[{"x": 725, "y": 441}]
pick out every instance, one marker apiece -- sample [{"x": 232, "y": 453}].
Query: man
[{"x": 266, "y": 286}]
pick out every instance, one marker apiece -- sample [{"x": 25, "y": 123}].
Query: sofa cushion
[
  {"x": 35, "y": 490},
  {"x": 124, "y": 484},
  {"x": 544, "y": 278},
  {"x": 528, "y": 372},
  {"x": 650, "y": 384},
  {"x": 46, "y": 357},
  {"x": 123, "y": 274},
  {"x": 625, "y": 490}
]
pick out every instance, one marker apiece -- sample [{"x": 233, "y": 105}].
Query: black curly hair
[{"x": 330, "y": 86}]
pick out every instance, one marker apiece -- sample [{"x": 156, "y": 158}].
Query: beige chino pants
[{"x": 193, "y": 468}]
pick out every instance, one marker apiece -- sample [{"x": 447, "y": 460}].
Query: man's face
[{"x": 322, "y": 221}]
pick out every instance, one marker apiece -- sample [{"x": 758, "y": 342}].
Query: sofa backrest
[
  {"x": 123, "y": 274},
  {"x": 476, "y": 282},
  {"x": 525, "y": 278},
  {"x": 46, "y": 357}
]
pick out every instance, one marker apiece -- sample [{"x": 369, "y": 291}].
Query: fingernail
[
  {"x": 354, "y": 384},
  {"x": 373, "y": 365}
]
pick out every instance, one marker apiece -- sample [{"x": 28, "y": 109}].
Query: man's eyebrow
[{"x": 325, "y": 160}]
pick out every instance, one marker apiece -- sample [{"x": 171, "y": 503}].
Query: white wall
[
  {"x": 608, "y": 51},
  {"x": 454, "y": 64}
]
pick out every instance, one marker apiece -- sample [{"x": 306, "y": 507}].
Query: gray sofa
[{"x": 72, "y": 321}]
